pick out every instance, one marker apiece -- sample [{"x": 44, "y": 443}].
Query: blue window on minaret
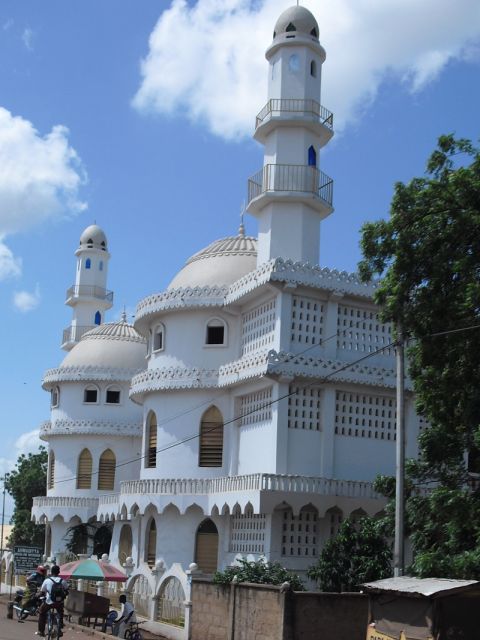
[
  {"x": 100, "y": 266},
  {"x": 312, "y": 157},
  {"x": 98, "y": 318},
  {"x": 88, "y": 263}
]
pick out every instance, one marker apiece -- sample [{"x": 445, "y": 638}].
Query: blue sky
[{"x": 140, "y": 115}]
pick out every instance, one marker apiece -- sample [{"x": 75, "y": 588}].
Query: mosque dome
[
  {"x": 297, "y": 19},
  {"x": 93, "y": 237},
  {"x": 221, "y": 263},
  {"x": 111, "y": 345}
]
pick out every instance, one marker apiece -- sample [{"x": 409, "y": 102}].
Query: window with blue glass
[{"x": 88, "y": 263}]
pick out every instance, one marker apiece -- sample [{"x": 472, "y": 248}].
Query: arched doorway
[
  {"x": 125, "y": 544},
  {"x": 206, "y": 546}
]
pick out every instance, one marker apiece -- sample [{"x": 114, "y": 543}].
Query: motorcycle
[{"x": 23, "y": 612}]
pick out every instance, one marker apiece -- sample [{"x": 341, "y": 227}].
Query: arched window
[
  {"x": 88, "y": 263},
  {"x": 55, "y": 397},
  {"x": 159, "y": 338},
  {"x": 151, "y": 440},
  {"x": 84, "y": 470},
  {"x": 51, "y": 469},
  {"x": 291, "y": 27},
  {"x": 100, "y": 265},
  {"x": 171, "y": 602},
  {"x": 216, "y": 332},
  {"x": 125, "y": 544},
  {"x": 106, "y": 470},
  {"x": 206, "y": 546},
  {"x": 90, "y": 242},
  {"x": 90, "y": 395},
  {"x": 98, "y": 318},
  {"x": 104, "y": 246},
  {"x": 113, "y": 395},
  {"x": 211, "y": 439},
  {"x": 312, "y": 157},
  {"x": 314, "y": 33},
  {"x": 313, "y": 68},
  {"x": 151, "y": 543}
]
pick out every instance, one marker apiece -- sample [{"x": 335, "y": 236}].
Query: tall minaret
[
  {"x": 88, "y": 297},
  {"x": 290, "y": 195}
]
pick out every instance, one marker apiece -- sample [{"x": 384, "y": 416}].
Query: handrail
[
  {"x": 91, "y": 291},
  {"x": 297, "y": 106},
  {"x": 291, "y": 177},
  {"x": 75, "y": 332}
]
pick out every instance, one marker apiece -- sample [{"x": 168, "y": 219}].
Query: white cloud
[
  {"x": 27, "y": 443},
  {"x": 8, "y": 24},
  {"x": 27, "y": 38},
  {"x": 25, "y": 301},
  {"x": 206, "y": 60},
  {"x": 9, "y": 265},
  {"x": 40, "y": 179}
]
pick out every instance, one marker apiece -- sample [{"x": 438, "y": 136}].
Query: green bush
[{"x": 258, "y": 572}]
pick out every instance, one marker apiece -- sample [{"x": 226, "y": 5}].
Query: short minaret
[
  {"x": 290, "y": 195},
  {"x": 89, "y": 296}
]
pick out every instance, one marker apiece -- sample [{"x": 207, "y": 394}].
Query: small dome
[
  {"x": 297, "y": 19},
  {"x": 221, "y": 263},
  {"x": 111, "y": 345},
  {"x": 93, "y": 237}
]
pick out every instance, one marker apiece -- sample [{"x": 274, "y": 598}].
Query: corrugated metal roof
[{"x": 427, "y": 587}]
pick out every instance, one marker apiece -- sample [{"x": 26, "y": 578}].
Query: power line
[{"x": 271, "y": 402}]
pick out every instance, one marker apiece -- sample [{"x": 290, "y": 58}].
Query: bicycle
[
  {"x": 133, "y": 632},
  {"x": 53, "y": 629}
]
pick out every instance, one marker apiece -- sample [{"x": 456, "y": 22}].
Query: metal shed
[{"x": 408, "y": 608}]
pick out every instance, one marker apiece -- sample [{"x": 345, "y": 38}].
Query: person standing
[
  {"x": 34, "y": 582},
  {"x": 55, "y": 590}
]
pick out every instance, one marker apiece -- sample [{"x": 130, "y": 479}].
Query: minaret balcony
[
  {"x": 72, "y": 334},
  {"x": 294, "y": 112},
  {"x": 78, "y": 291},
  {"x": 290, "y": 182}
]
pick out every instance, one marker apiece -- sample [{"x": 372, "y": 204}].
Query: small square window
[
  {"x": 90, "y": 395},
  {"x": 215, "y": 335},
  {"x": 113, "y": 396}
]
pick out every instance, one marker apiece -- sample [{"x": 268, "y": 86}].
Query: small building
[{"x": 407, "y": 608}]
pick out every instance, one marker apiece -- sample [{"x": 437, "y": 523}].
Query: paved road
[{"x": 14, "y": 630}]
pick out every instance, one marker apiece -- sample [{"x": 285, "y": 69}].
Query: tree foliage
[
  {"x": 258, "y": 572},
  {"x": 89, "y": 535},
  {"x": 358, "y": 553},
  {"x": 428, "y": 257},
  {"x": 28, "y": 479}
]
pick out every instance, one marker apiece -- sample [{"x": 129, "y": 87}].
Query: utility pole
[
  {"x": 1, "y": 532},
  {"x": 399, "y": 548}
]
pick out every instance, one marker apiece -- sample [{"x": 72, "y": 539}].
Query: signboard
[{"x": 26, "y": 558}]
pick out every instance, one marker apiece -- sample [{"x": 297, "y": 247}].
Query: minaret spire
[
  {"x": 290, "y": 195},
  {"x": 88, "y": 297}
]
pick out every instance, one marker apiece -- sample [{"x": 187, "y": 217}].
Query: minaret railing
[
  {"x": 90, "y": 291},
  {"x": 74, "y": 333},
  {"x": 279, "y": 106},
  {"x": 291, "y": 177}
]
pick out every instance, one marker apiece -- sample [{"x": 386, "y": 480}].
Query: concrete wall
[{"x": 265, "y": 612}]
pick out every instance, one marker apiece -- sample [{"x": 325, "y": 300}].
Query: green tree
[
  {"x": 427, "y": 255},
  {"x": 85, "y": 535},
  {"x": 358, "y": 553},
  {"x": 258, "y": 572},
  {"x": 28, "y": 479}
]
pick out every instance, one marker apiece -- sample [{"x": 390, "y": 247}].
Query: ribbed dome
[
  {"x": 221, "y": 263},
  {"x": 297, "y": 19},
  {"x": 111, "y": 345},
  {"x": 93, "y": 236}
]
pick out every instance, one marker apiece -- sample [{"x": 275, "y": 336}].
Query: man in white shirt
[
  {"x": 127, "y": 615},
  {"x": 55, "y": 590}
]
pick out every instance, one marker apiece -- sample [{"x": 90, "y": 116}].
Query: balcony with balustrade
[
  {"x": 71, "y": 335},
  {"x": 287, "y": 182},
  {"x": 46, "y": 508},
  {"x": 83, "y": 291},
  {"x": 290, "y": 112},
  {"x": 222, "y": 495}
]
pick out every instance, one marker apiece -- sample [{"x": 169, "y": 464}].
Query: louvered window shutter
[
  {"x": 151, "y": 544},
  {"x": 106, "y": 471},
  {"x": 51, "y": 470},
  {"x": 84, "y": 475},
  {"x": 211, "y": 439},
  {"x": 152, "y": 441}
]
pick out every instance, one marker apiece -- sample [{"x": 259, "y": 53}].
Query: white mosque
[{"x": 251, "y": 405}]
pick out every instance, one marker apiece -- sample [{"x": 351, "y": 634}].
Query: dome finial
[
  {"x": 241, "y": 228},
  {"x": 124, "y": 314}
]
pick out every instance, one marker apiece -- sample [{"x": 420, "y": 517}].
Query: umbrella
[{"x": 91, "y": 569}]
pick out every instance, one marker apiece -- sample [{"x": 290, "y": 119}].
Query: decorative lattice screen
[
  {"x": 258, "y": 327},
  {"x": 307, "y": 320},
  {"x": 365, "y": 416},
  {"x": 361, "y": 330},
  {"x": 299, "y": 533},
  {"x": 256, "y": 407},
  {"x": 304, "y": 408}
]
